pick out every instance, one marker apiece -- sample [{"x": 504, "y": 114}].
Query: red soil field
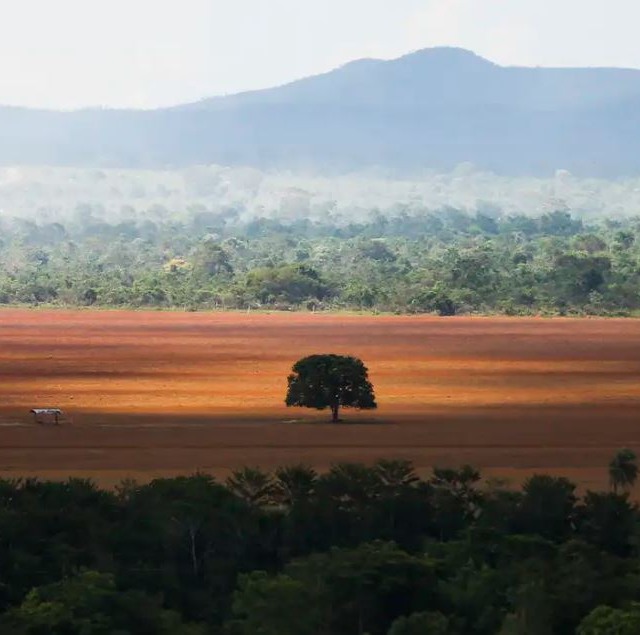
[{"x": 161, "y": 393}]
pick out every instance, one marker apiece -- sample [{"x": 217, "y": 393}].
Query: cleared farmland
[{"x": 153, "y": 393}]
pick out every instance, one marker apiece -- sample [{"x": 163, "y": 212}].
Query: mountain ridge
[{"x": 432, "y": 108}]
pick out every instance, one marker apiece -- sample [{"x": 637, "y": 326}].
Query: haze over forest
[{"x": 58, "y": 194}]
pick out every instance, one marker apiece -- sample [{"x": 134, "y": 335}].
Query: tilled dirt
[{"x": 153, "y": 393}]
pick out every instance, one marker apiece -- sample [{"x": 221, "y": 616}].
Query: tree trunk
[
  {"x": 194, "y": 557},
  {"x": 334, "y": 413}
]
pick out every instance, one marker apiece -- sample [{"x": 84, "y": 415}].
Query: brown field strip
[{"x": 153, "y": 393}]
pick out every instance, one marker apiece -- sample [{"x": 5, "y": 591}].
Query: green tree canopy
[
  {"x": 605, "y": 620},
  {"x": 285, "y": 283},
  {"x": 90, "y": 604},
  {"x": 276, "y": 605},
  {"x": 330, "y": 381},
  {"x": 421, "y": 624}
]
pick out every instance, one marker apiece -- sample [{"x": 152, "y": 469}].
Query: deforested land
[{"x": 161, "y": 393}]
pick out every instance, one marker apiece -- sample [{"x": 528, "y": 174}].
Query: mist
[{"x": 47, "y": 195}]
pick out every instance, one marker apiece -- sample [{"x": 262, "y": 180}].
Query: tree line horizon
[{"x": 449, "y": 262}]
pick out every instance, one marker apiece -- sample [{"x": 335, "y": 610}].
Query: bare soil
[{"x": 161, "y": 393}]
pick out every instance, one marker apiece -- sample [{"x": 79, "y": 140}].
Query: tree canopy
[
  {"x": 445, "y": 261},
  {"x": 380, "y": 549},
  {"x": 330, "y": 381}
]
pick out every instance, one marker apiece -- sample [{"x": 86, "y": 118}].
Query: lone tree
[
  {"x": 330, "y": 381},
  {"x": 623, "y": 470}
]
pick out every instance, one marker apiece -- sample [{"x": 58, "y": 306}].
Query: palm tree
[
  {"x": 396, "y": 474},
  {"x": 294, "y": 483},
  {"x": 252, "y": 485},
  {"x": 350, "y": 484},
  {"x": 623, "y": 470}
]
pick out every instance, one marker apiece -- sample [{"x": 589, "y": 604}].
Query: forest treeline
[
  {"x": 449, "y": 262},
  {"x": 358, "y": 549}
]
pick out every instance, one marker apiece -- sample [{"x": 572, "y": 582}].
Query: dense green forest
[
  {"x": 358, "y": 549},
  {"x": 447, "y": 262}
]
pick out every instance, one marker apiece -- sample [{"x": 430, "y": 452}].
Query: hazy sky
[{"x": 145, "y": 53}]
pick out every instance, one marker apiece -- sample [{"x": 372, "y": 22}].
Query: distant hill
[{"x": 435, "y": 108}]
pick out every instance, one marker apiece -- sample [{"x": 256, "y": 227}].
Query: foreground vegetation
[
  {"x": 355, "y": 550},
  {"x": 448, "y": 262}
]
